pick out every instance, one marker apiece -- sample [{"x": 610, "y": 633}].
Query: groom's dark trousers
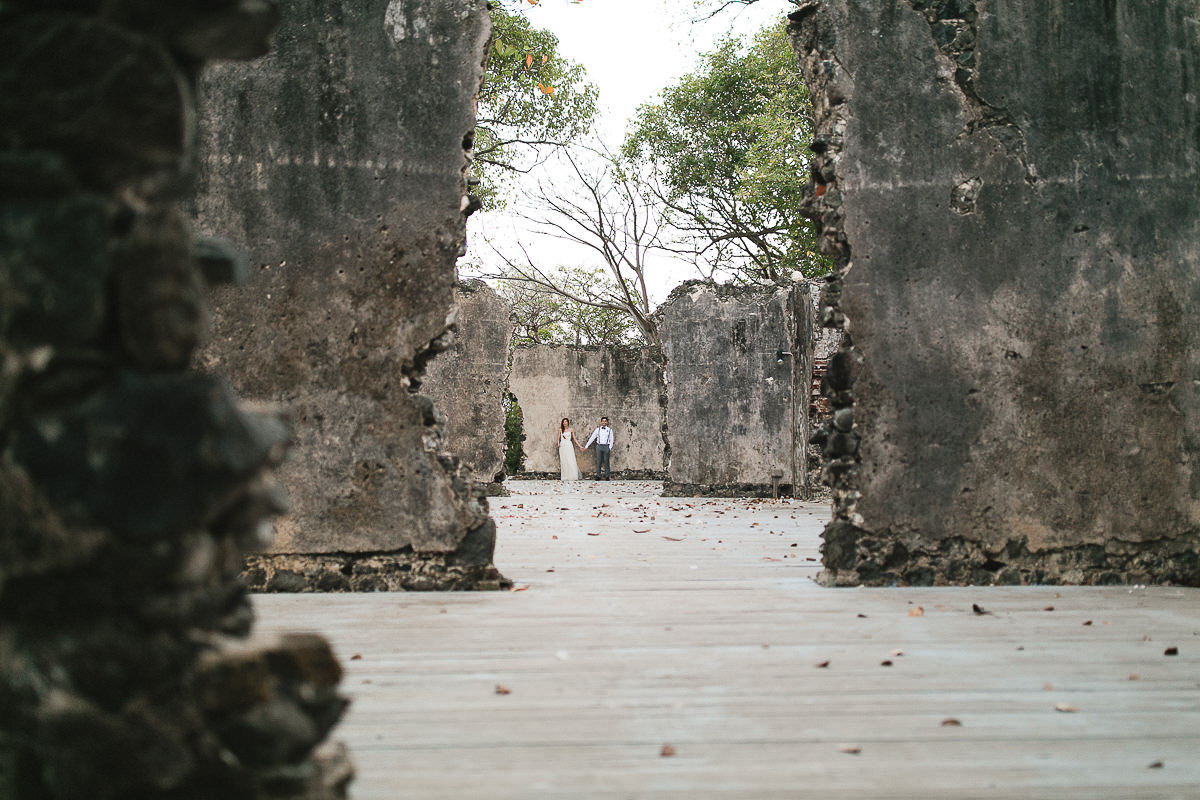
[{"x": 603, "y": 461}]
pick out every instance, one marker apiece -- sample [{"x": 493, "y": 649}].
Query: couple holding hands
[{"x": 602, "y": 436}]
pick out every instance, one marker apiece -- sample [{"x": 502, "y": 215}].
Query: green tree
[
  {"x": 514, "y": 435},
  {"x": 533, "y": 101},
  {"x": 729, "y": 145}
]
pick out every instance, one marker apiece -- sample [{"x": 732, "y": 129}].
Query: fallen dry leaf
[
  {"x": 553, "y": 537},
  {"x": 951, "y": 723},
  {"x": 502, "y": 689},
  {"x": 524, "y": 588},
  {"x": 1155, "y": 765},
  {"x": 1086, "y": 624},
  {"x": 1133, "y": 676},
  {"x": 667, "y": 751},
  {"x": 1171, "y": 651},
  {"x": 356, "y": 657},
  {"x": 916, "y": 612},
  {"x": 862, "y": 616},
  {"x": 896, "y": 653},
  {"x": 822, "y": 664},
  {"x": 887, "y": 662},
  {"x": 1066, "y": 708},
  {"x": 635, "y": 530},
  {"x": 852, "y": 749},
  {"x": 672, "y": 539},
  {"x": 1048, "y": 608},
  {"x": 593, "y": 534},
  {"x": 979, "y": 610}
]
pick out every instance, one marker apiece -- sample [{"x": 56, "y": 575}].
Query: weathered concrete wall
[
  {"x": 737, "y": 414},
  {"x": 131, "y": 488},
  {"x": 468, "y": 381},
  {"x": 338, "y": 162},
  {"x": 585, "y": 384},
  {"x": 1017, "y": 196}
]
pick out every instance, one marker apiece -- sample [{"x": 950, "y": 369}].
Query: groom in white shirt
[{"x": 603, "y": 437}]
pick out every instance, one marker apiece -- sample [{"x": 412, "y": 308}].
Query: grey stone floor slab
[{"x": 644, "y": 621}]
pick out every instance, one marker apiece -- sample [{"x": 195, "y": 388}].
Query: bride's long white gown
[{"x": 566, "y": 458}]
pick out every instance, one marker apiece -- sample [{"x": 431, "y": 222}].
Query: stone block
[
  {"x": 468, "y": 381},
  {"x": 338, "y": 164},
  {"x": 739, "y": 375},
  {"x": 131, "y": 488},
  {"x": 1015, "y": 210}
]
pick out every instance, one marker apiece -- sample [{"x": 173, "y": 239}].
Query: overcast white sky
[{"x": 631, "y": 49}]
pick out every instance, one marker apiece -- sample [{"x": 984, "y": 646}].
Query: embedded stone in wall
[
  {"x": 467, "y": 382},
  {"x": 339, "y": 165},
  {"x": 739, "y": 371},
  {"x": 585, "y": 384},
  {"x": 131, "y": 488},
  {"x": 1014, "y": 208}
]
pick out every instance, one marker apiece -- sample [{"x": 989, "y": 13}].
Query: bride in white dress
[{"x": 566, "y": 451}]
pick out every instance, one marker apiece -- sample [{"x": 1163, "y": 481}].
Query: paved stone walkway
[{"x": 646, "y": 625}]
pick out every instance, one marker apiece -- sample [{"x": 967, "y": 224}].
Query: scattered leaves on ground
[
  {"x": 672, "y": 539},
  {"x": 852, "y": 749},
  {"x": 1066, "y": 708},
  {"x": 822, "y": 664},
  {"x": 1087, "y": 624},
  {"x": 356, "y": 657},
  {"x": 1155, "y": 765},
  {"x": 896, "y": 653},
  {"x": 979, "y": 610},
  {"x": 1133, "y": 676},
  {"x": 502, "y": 689},
  {"x": 667, "y": 751},
  {"x": 524, "y": 588},
  {"x": 635, "y": 530},
  {"x": 1171, "y": 651},
  {"x": 887, "y": 662},
  {"x": 915, "y": 612},
  {"x": 951, "y": 723},
  {"x": 1048, "y": 608}
]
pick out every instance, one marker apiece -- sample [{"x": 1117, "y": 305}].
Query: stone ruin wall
[
  {"x": 624, "y": 384},
  {"x": 467, "y": 382},
  {"x": 1013, "y": 207},
  {"x": 130, "y": 487},
  {"x": 737, "y": 418},
  {"x": 338, "y": 162}
]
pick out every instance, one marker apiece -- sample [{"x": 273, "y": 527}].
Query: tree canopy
[
  {"x": 533, "y": 100},
  {"x": 548, "y": 316},
  {"x": 729, "y": 144}
]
